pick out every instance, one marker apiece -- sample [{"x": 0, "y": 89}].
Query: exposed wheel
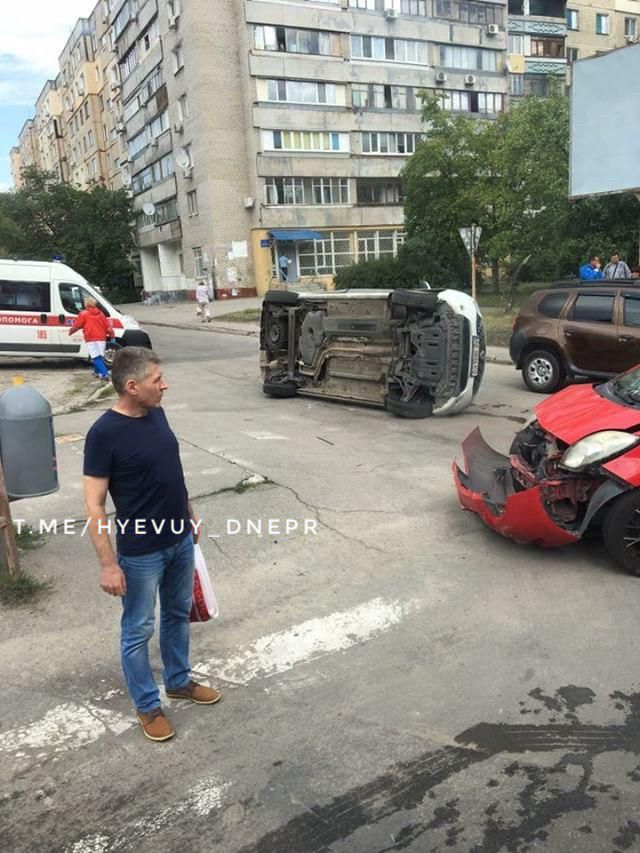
[
  {"x": 542, "y": 371},
  {"x": 421, "y": 406},
  {"x": 110, "y": 352},
  {"x": 281, "y": 297},
  {"x": 276, "y": 333},
  {"x": 427, "y": 300},
  {"x": 621, "y": 531},
  {"x": 279, "y": 389}
]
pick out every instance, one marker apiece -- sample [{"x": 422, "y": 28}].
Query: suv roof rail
[{"x": 596, "y": 282}]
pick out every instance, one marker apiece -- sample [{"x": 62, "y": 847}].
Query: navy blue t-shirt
[{"x": 140, "y": 456}]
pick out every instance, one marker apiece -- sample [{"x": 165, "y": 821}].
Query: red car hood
[{"x": 579, "y": 411}]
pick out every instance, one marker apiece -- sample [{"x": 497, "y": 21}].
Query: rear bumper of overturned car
[{"x": 486, "y": 488}]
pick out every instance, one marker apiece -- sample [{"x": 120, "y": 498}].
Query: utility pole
[
  {"x": 471, "y": 237},
  {"x": 7, "y": 533}
]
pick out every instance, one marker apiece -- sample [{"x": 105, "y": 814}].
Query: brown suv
[{"x": 577, "y": 328}]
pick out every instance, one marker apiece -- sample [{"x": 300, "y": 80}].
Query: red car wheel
[{"x": 621, "y": 531}]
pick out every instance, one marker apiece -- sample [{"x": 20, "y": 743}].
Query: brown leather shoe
[
  {"x": 155, "y": 725},
  {"x": 197, "y": 693}
]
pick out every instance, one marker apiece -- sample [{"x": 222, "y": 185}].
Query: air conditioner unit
[
  {"x": 391, "y": 13},
  {"x": 493, "y": 30},
  {"x": 178, "y": 127},
  {"x": 173, "y": 22},
  {"x": 470, "y": 80},
  {"x": 153, "y": 143},
  {"x": 188, "y": 172},
  {"x": 249, "y": 202},
  {"x": 441, "y": 77},
  {"x": 631, "y": 39},
  {"x": 120, "y": 126}
]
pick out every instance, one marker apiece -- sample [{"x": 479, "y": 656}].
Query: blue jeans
[{"x": 169, "y": 571}]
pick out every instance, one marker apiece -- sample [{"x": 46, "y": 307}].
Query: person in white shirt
[
  {"x": 202, "y": 298},
  {"x": 616, "y": 268}
]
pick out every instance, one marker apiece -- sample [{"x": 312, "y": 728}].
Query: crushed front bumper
[{"x": 487, "y": 489}]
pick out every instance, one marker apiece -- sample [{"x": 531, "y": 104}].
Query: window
[
  {"x": 471, "y": 58},
  {"x": 379, "y": 191},
  {"x": 198, "y": 262},
  {"x": 551, "y": 47},
  {"x": 484, "y": 103},
  {"x": 539, "y": 87},
  {"x": 516, "y": 84},
  {"x": 90, "y": 139},
  {"x": 330, "y": 191},
  {"x": 25, "y": 295},
  {"x": 297, "y": 140},
  {"x": 395, "y": 50},
  {"x": 177, "y": 59},
  {"x": 129, "y": 63},
  {"x": 552, "y": 304},
  {"x": 631, "y": 311},
  {"x": 192, "y": 202},
  {"x": 183, "y": 107},
  {"x": 284, "y": 190},
  {"x": 515, "y": 44},
  {"x": 602, "y": 24},
  {"x": 296, "y": 41},
  {"x": 572, "y": 54},
  {"x": 573, "y": 19},
  {"x": 469, "y": 12},
  {"x": 630, "y": 28},
  {"x": 301, "y": 92},
  {"x": 593, "y": 308},
  {"x": 390, "y": 143}
]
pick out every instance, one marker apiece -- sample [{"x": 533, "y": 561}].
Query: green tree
[{"x": 93, "y": 230}]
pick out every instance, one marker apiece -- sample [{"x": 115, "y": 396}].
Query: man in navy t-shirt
[{"x": 132, "y": 453}]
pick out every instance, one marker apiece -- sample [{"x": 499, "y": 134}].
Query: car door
[
  {"x": 24, "y": 318},
  {"x": 629, "y": 331},
  {"x": 589, "y": 333}
]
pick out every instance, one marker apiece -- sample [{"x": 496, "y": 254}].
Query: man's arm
[{"x": 112, "y": 579}]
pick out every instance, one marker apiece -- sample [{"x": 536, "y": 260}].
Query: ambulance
[{"x": 39, "y": 302}]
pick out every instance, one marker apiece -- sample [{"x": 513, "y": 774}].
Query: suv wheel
[
  {"x": 621, "y": 531},
  {"x": 421, "y": 406},
  {"x": 542, "y": 371}
]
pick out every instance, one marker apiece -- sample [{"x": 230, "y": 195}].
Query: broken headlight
[{"x": 598, "y": 447}]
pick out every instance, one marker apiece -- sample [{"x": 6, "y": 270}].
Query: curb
[{"x": 209, "y": 327}]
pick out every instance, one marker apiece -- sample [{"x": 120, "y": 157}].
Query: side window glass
[
  {"x": 593, "y": 308},
  {"x": 552, "y": 304},
  {"x": 72, "y": 297},
  {"x": 25, "y": 296},
  {"x": 631, "y": 311}
]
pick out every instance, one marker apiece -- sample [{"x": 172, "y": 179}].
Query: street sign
[
  {"x": 264, "y": 244},
  {"x": 471, "y": 238}
]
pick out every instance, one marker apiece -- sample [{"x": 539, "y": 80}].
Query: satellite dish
[
  {"x": 148, "y": 208},
  {"x": 183, "y": 161}
]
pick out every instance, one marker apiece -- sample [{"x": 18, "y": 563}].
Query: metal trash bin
[{"x": 27, "y": 444}]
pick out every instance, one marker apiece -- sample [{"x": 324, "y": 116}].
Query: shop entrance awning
[{"x": 294, "y": 235}]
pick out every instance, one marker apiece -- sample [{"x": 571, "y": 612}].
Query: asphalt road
[{"x": 400, "y": 679}]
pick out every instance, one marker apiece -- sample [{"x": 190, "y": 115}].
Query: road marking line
[
  {"x": 313, "y": 639},
  {"x": 201, "y": 800},
  {"x": 70, "y": 726}
]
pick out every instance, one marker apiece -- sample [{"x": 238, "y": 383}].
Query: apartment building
[
  {"x": 27, "y": 151},
  {"x": 47, "y": 126},
  {"x": 536, "y": 46},
  {"x": 15, "y": 166},
  {"x": 597, "y": 27},
  {"x": 261, "y": 128}
]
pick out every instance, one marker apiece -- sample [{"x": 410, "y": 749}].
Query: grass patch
[
  {"x": 22, "y": 589},
  {"x": 248, "y": 315},
  {"x": 29, "y": 539},
  {"x": 498, "y": 326},
  {"x": 488, "y": 298}
]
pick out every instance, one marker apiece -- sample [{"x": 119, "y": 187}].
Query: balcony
[
  {"x": 546, "y": 67},
  {"x": 537, "y": 27},
  {"x": 538, "y": 8}
]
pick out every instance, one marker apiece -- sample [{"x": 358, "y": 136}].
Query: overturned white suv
[{"x": 415, "y": 352}]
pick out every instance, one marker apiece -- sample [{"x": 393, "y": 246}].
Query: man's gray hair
[{"x": 131, "y": 363}]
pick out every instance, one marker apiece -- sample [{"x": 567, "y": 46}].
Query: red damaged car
[{"x": 575, "y": 467}]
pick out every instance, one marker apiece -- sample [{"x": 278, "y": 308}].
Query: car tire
[
  {"x": 622, "y": 521},
  {"x": 276, "y": 333},
  {"x": 110, "y": 352},
  {"x": 421, "y": 408},
  {"x": 427, "y": 300},
  {"x": 542, "y": 371},
  {"x": 281, "y": 297},
  {"x": 279, "y": 389}
]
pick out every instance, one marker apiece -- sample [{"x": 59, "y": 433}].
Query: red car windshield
[{"x": 627, "y": 386}]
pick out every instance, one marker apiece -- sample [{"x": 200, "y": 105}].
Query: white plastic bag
[{"x": 205, "y": 605}]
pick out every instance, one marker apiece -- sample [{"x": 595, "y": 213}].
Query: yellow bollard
[{"x": 17, "y": 379}]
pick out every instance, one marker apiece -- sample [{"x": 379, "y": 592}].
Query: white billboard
[{"x": 605, "y": 124}]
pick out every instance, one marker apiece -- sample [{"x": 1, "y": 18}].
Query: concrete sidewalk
[{"x": 182, "y": 315}]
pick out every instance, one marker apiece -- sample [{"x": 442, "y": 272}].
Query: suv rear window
[
  {"x": 552, "y": 304},
  {"x": 593, "y": 308}
]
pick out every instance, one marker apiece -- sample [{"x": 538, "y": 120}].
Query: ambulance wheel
[{"x": 109, "y": 355}]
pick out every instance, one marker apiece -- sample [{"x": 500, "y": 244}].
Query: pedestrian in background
[
  {"x": 132, "y": 453},
  {"x": 591, "y": 271},
  {"x": 616, "y": 268},
  {"x": 283, "y": 264},
  {"x": 202, "y": 298},
  {"x": 97, "y": 330}
]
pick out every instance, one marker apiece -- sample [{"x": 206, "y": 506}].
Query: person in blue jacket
[{"x": 591, "y": 270}]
